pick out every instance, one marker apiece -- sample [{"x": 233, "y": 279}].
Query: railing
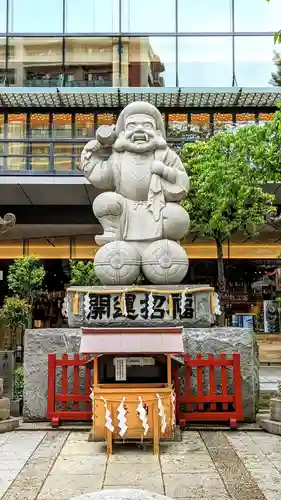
[
  {"x": 212, "y": 392},
  {"x": 65, "y": 402},
  {"x": 61, "y": 82}
]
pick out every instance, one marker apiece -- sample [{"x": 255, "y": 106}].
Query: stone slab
[
  {"x": 275, "y": 409},
  {"x": 271, "y": 426},
  {"x": 229, "y": 340},
  {"x": 122, "y": 494},
  {"x": 65, "y": 487},
  {"x": 198, "y": 307},
  {"x": 9, "y": 424}
]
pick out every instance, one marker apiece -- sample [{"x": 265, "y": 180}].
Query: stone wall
[{"x": 38, "y": 343}]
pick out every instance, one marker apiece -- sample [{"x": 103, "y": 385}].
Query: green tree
[
  {"x": 26, "y": 277},
  {"x": 83, "y": 273},
  {"x": 15, "y": 315},
  {"x": 276, "y": 76},
  {"x": 226, "y": 193}
]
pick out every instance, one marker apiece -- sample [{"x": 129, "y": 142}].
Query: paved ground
[
  {"x": 269, "y": 376},
  {"x": 206, "y": 466}
]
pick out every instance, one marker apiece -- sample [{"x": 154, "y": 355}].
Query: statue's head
[{"x": 140, "y": 129}]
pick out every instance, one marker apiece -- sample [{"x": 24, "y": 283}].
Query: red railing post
[
  {"x": 51, "y": 384},
  {"x": 176, "y": 382},
  {"x": 212, "y": 388},
  {"x": 76, "y": 373},
  {"x": 237, "y": 386},
  {"x": 224, "y": 379}
]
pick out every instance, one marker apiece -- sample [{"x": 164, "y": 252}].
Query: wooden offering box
[{"x": 133, "y": 396}]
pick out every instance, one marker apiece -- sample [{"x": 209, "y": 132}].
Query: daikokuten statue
[{"x": 139, "y": 212}]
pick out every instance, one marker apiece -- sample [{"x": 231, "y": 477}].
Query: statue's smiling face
[
  {"x": 140, "y": 135},
  {"x": 140, "y": 130}
]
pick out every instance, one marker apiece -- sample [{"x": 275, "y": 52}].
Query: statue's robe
[{"x": 145, "y": 194}]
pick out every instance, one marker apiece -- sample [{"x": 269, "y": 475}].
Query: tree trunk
[{"x": 221, "y": 284}]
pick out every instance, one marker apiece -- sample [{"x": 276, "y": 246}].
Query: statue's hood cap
[{"x": 140, "y": 107}]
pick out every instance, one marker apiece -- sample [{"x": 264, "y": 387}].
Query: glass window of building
[
  {"x": 63, "y": 157},
  {"x": 204, "y": 16},
  {"x": 148, "y": 62},
  {"x": 200, "y": 125},
  {"x": 35, "y": 16},
  {"x": 257, "y": 15},
  {"x": 254, "y": 60},
  {"x": 222, "y": 122},
  {"x": 62, "y": 125},
  {"x": 62, "y": 128},
  {"x": 89, "y": 16},
  {"x": 2, "y": 126},
  {"x": 91, "y": 62},
  {"x": 39, "y": 128},
  {"x": 17, "y": 125},
  {"x": 205, "y": 62},
  {"x": 177, "y": 125},
  {"x": 106, "y": 119},
  {"x": 265, "y": 117},
  {"x": 3, "y": 147},
  {"x": 16, "y": 150},
  {"x": 84, "y": 125},
  {"x": 245, "y": 119},
  {"x": 39, "y": 125},
  {"x": 148, "y": 16},
  {"x": 35, "y": 62},
  {"x": 2, "y": 60},
  {"x": 3, "y": 6}
]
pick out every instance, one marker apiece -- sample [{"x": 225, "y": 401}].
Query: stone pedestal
[{"x": 39, "y": 343}]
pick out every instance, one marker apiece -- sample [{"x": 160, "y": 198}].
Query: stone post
[{"x": 7, "y": 423}]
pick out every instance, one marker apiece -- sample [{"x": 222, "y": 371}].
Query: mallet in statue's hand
[{"x": 106, "y": 135}]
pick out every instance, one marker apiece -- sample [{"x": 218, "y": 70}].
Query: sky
[{"x": 205, "y": 61}]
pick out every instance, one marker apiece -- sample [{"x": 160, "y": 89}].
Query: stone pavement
[{"x": 38, "y": 465}]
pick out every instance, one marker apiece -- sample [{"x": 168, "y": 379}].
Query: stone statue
[
  {"x": 7, "y": 222},
  {"x": 139, "y": 212}
]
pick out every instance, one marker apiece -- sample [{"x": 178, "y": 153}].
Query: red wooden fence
[
  {"x": 211, "y": 402},
  {"x": 69, "y": 404}
]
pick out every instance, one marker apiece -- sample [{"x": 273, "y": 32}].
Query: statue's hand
[
  {"x": 91, "y": 148},
  {"x": 158, "y": 168}
]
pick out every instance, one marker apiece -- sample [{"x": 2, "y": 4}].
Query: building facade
[{"x": 68, "y": 66}]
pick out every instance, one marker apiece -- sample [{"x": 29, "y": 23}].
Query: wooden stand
[{"x": 113, "y": 394}]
